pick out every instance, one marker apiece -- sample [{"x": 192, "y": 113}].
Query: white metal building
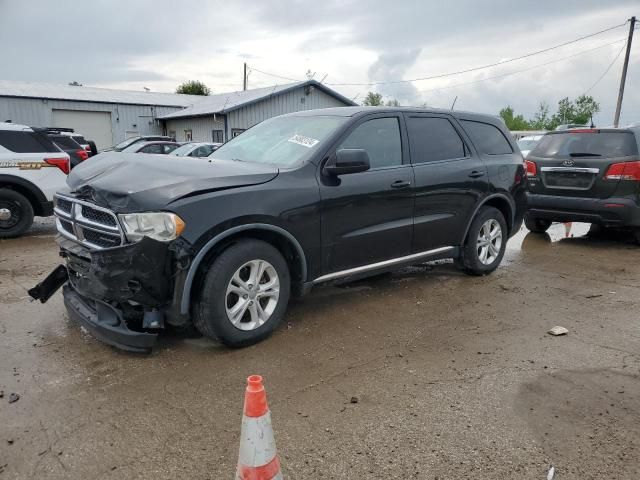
[
  {"x": 109, "y": 116},
  {"x": 220, "y": 117}
]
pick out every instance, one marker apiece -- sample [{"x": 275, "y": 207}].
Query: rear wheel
[
  {"x": 16, "y": 213},
  {"x": 536, "y": 225},
  {"x": 244, "y": 294},
  {"x": 486, "y": 242}
]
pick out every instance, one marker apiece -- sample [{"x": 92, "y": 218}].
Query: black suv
[
  {"x": 295, "y": 201},
  {"x": 585, "y": 175}
]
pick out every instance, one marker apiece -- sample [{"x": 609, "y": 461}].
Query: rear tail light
[
  {"x": 83, "y": 155},
  {"x": 532, "y": 169},
  {"x": 87, "y": 149},
  {"x": 624, "y": 171},
  {"x": 61, "y": 163},
  {"x": 583, "y": 130}
]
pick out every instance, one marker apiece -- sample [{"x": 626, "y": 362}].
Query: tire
[
  {"x": 211, "y": 316},
  {"x": 16, "y": 213},
  {"x": 487, "y": 220},
  {"x": 636, "y": 234},
  {"x": 536, "y": 225},
  {"x": 92, "y": 146}
]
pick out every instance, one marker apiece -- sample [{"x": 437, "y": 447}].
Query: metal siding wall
[
  {"x": 200, "y": 127},
  {"x": 287, "y": 103},
  {"x": 37, "y": 113}
]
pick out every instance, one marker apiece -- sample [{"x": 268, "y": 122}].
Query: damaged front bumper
[
  {"x": 122, "y": 295},
  {"x": 106, "y": 323}
]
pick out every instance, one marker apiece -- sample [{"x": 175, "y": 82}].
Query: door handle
[
  {"x": 400, "y": 184},
  {"x": 476, "y": 174}
]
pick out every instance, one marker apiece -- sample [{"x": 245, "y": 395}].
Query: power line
[
  {"x": 527, "y": 55},
  {"x": 253, "y": 69},
  {"x": 502, "y": 75},
  {"x": 606, "y": 70},
  {"x": 459, "y": 72}
]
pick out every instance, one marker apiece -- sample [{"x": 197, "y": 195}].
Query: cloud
[
  {"x": 160, "y": 43},
  {"x": 391, "y": 66}
]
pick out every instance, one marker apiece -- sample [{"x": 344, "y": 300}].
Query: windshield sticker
[{"x": 304, "y": 141}]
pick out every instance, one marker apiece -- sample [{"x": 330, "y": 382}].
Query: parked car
[
  {"x": 569, "y": 126},
  {"x": 83, "y": 142},
  {"x": 130, "y": 141},
  {"x": 161, "y": 148},
  {"x": 32, "y": 169},
  {"x": 526, "y": 144},
  {"x": 196, "y": 149},
  {"x": 298, "y": 200},
  {"x": 585, "y": 175},
  {"x": 67, "y": 144}
]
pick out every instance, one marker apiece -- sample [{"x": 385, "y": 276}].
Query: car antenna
[
  {"x": 593, "y": 125},
  {"x": 454, "y": 102}
]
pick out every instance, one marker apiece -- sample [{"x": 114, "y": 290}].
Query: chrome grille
[{"x": 88, "y": 224}]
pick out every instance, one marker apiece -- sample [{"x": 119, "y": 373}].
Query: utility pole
[
  {"x": 244, "y": 77},
  {"x": 623, "y": 79}
]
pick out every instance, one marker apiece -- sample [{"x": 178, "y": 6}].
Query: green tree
[
  {"x": 392, "y": 102},
  {"x": 513, "y": 122},
  {"x": 541, "y": 118},
  {"x": 579, "y": 111},
  {"x": 193, "y": 87},
  {"x": 373, "y": 99},
  {"x": 586, "y": 107}
]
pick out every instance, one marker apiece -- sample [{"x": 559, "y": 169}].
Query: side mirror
[{"x": 347, "y": 160}]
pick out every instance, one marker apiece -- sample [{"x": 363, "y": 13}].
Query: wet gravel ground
[{"x": 455, "y": 376}]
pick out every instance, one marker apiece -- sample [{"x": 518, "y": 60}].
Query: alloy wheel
[
  {"x": 252, "y": 294},
  {"x": 489, "y": 241}
]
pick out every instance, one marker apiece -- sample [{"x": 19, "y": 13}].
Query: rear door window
[
  {"x": 26, "y": 142},
  {"x": 595, "y": 144},
  {"x": 487, "y": 138},
  {"x": 432, "y": 139},
  {"x": 155, "y": 148}
]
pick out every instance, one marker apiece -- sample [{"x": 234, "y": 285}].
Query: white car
[
  {"x": 32, "y": 169},
  {"x": 527, "y": 144},
  {"x": 196, "y": 149}
]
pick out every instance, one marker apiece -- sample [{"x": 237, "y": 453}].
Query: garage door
[{"x": 94, "y": 126}]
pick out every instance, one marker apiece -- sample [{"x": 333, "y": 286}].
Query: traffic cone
[{"x": 258, "y": 458}]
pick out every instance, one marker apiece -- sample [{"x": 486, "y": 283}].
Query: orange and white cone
[{"x": 258, "y": 458}]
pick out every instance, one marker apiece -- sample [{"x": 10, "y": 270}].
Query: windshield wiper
[{"x": 584, "y": 154}]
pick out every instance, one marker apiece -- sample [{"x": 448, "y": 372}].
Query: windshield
[
  {"x": 183, "y": 150},
  {"x": 527, "y": 144},
  {"x": 604, "y": 144},
  {"x": 283, "y": 141},
  {"x": 126, "y": 143}
]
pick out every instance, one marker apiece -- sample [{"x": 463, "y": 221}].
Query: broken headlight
[{"x": 161, "y": 226}]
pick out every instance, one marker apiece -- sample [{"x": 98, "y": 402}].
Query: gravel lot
[{"x": 455, "y": 376}]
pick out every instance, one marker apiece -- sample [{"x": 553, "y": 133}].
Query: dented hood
[{"x": 130, "y": 182}]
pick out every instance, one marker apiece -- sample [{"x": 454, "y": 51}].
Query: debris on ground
[
  {"x": 1, "y": 393},
  {"x": 595, "y": 295},
  {"x": 551, "y": 473},
  {"x": 14, "y": 397},
  {"x": 557, "y": 330},
  {"x": 354, "y": 399}
]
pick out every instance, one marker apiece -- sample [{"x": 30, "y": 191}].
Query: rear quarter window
[
  {"x": 64, "y": 142},
  {"x": 604, "y": 144},
  {"x": 487, "y": 138},
  {"x": 26, "y": 142}
]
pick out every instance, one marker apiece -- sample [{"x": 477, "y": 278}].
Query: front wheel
[
  {"x": 536, "y": 225},
  {"x": 485, "y": 243},
  {"x": 16, "y": 213},
  {"x": 244, "y": 294}
]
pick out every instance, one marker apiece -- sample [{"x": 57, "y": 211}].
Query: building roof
[
  {"x": 93, "y": 94},
  {"x": 226, "y": 102}
]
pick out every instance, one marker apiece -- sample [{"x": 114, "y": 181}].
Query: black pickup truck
[{"x": 295, "y": 201}]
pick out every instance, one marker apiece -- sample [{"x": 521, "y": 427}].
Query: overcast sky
[{"x": 159, "y": 44}]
